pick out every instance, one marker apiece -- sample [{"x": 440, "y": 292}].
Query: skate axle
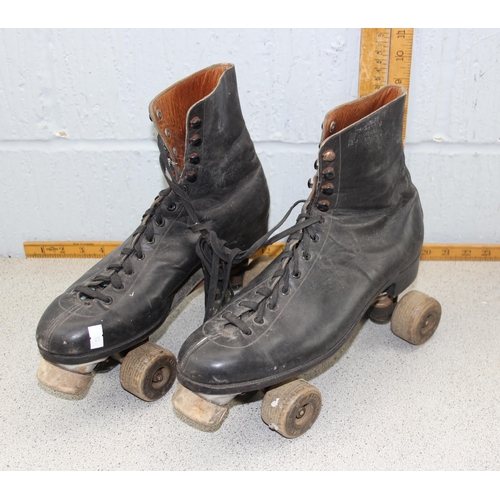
[{"x": 381, "y": 310}]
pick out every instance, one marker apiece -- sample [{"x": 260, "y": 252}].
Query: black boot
[
  {"x": 217, "y": 191},
  {"x": 355, "y": 247}
]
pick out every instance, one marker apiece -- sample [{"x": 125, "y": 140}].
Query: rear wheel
[{"x": 416, "y": 317}]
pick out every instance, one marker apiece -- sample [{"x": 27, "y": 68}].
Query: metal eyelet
[
  {"x": 191, "y": 176},
  {"x": 285, "y": 290},
  {"x": 258, "y": 322},
  {"x": 195, "y": 140},
  {"x": 118, "y": 288},
  {"x": 306, "y": 256},
  {"x": 272, "y": 308},
  {"x": 171, "y": 207},
  {"x": 296, "y": 275},
  {"x": 315, "y": 238},
  {"x": 328, "y": 155},
  {"x": 108, "y": 301},
  {"x": 195, "y": 122},
  {"x": 160, "y": 223}
]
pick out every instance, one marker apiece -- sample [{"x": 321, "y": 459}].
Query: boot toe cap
[{"x": 63, "y": 330}]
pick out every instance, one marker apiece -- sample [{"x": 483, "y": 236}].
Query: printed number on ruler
[
  {"x": 461, "y": 252},
  {"x": 68, "y": 249},
  {"x": 385, "y": 58}
]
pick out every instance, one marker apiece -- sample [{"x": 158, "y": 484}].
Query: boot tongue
[{"x": 170, "y": 109}]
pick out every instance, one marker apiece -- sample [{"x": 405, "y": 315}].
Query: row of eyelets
[
  {"x": 195, "y": 140},
  {"x": 327, "y": 174}
]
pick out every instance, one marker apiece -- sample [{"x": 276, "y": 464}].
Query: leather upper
[
  {"x": 367, "y": 239},
  {"x": 228, "y": 192}
]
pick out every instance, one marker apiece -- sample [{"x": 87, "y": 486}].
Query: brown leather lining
[
  {"x": 350, "y": 113},
  {"x": 169, "y": 109}
]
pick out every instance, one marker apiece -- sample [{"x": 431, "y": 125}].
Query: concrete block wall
[{"x": 78, "y": 157}]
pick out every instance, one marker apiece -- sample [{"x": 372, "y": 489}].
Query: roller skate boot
[
  {"x": 355, "y": 247},
  {"x": 217, "y": 196}
]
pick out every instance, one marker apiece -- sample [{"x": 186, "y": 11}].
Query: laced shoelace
[
  {"x": 216, "y": 257},
  {"x": 297, "y": 246},
  {"x": 218, "y": 261},
  {"x": 94, "y": 288}
]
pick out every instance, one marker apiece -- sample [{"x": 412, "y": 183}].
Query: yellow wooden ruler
[
  {"x": 460, "y": 252},
  {"x": 429, "y": 252},
  {"x": 385, "y": 57},
  {"x": 99, "y": 249},
  {"x": 69, "y": 249}
]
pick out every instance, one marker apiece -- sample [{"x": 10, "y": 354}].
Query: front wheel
[
  {"x": 291, "y": 409},
  {"x": 148, "y": 371}
]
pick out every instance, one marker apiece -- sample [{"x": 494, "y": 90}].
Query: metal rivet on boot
[
  {"x": 332, "y": 126},
  {"x": 195, "y": 122},
  {"x": 194, "y": 158},
  {"x": 191, "y": 176},
  {"x": 328, "y": 155},
  {"x": 310, "y": 183},
  {"x": 323, "y": 205},
  {"x": 328, "y": 173},
  {"x": 327, "y": 188},
  {"x": 316, "y": 165},
  {"x": 195, "y": 140},
  {"x": 158, "y": 114},
  {"x": 167, "y": 133}
]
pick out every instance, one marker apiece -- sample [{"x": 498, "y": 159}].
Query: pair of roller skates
[{"x": 354, "y": 248}]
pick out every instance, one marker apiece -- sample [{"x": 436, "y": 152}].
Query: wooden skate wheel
[
  {"x": 148, "y": 371},
  {"x": 416, "y": 317},
  {"x": 291, "y": 409}
]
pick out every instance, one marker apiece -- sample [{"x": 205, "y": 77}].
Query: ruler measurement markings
[
  {"x": 385, "y": 57},
  {"x": 431, "y": 251}
]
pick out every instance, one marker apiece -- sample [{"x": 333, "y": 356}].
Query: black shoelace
[
  {"x": 94, "y": 288},
  {"x": 216, "y": 257},
  {"x": 297, "y": 247},
  {"x": 218, "y": 261}
]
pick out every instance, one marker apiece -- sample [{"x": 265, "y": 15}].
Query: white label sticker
[{"x": 96, "y": 338}]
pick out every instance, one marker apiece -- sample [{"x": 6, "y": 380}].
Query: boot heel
[
  {"x": 404, "y": 279},
  {"x": 382, "y": 308}
]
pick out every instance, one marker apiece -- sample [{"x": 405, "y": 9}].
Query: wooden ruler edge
[{"x": 430, "y": 251}]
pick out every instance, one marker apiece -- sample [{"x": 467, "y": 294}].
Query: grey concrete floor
[{"x": 387, "y": 405}]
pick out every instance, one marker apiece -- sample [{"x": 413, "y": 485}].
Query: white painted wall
[{"x": 78, "y": 158}]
